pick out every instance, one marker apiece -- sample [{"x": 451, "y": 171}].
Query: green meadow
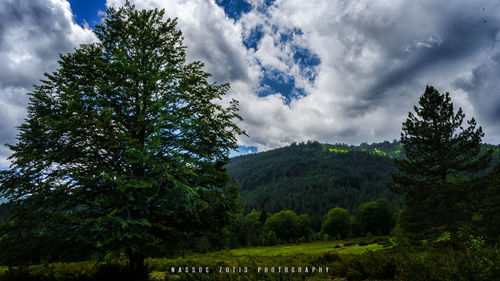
[
  {"x": 309, "y": 248},
  {"x": 186, "y": 266}
]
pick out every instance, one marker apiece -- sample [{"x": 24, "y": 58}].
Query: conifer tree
[{"x": 442, "y": 155}]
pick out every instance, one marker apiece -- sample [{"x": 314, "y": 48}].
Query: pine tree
[
  {"x": 441, "y": 157},
  {"x": 487, "y": 220},
  {"x": 124, "y": 147}
]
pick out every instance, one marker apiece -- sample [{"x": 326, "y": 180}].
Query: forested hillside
[{"x": 311, "y": 178}]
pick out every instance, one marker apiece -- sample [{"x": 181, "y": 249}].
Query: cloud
[
  {"x": 211, "y": 36},
  {"x": 32, "y": 34},
  {"x": 482, "y": 87},
  {"x": 376, "y": 57},
  {"x": 332, "y": 71}
]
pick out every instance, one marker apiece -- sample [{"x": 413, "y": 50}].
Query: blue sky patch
[
  {"x": 274, "y": 81},
  {"x": 242, "y": 150},
  {"x": 288, "y": 37},
  {"x": 253, "y": 39},
  {"x": 234, "y": 9},
  {"x": 87, "y": 11},
  {"x": 306, "y": 61},
  {"x": 266, "y": 4}
]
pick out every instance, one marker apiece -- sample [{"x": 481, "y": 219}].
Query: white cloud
[
  {"x": 376, "y": 58},
  {"x": 32, "y": 34}
]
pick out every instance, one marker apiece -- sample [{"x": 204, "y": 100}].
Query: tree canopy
[
  {"x": 441, "y": 156},
  {"x": 124, "y": 145},
  {"x": 376, "y": 217},
  {"x": 287, "y": 226},
  {"x": 337, "y": 222}
]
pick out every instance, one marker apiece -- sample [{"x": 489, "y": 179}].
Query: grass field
[
  {"x": 308, "y": 248},
  {"x": 354, "y": 259},
  {"x": 299, "y": 255}
]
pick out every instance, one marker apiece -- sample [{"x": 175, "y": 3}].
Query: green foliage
[
  {"x": 202, "y": 245},
  {"x": 270, "y": 238},
  {"x": 475, "y": 262},
  {"x": 5, "y": 211},
  {"x": 337, "y": 222},
  {"x": 376, "y": 217},
  {"x": 437, "y": 147},
  {"x": 251, "y": 228},
  {"x": 487, "y": 218},
  {"x": 304, "y": 229},
  {"x": 448, "y": 264},
  {"x": 261, "y": 228},
  {"x": 74, "y": 272},
  {"x": 124, "y": 148},
  {"x": 284, "y": 224},
  {"x": 353, "y": 275},
  {"x": 309, "y": 179},
  {"x": 336, "y": 150},
  {"x": 398, "y": 233}
]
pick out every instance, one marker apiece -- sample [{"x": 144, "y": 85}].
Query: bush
[
  {"x": 328, "y": 258},
  {"x": 270, "y": 238},
  {"x": 386, "y": 243},
  {"x": 18, "y": 274},
  {"x": 74, "y": 272},
  {"x": 110, "y": 271},
  {"x": 449, "y": 264},
  {"x": 475, "y": 262},
  {"x": 354, "y": 275}
]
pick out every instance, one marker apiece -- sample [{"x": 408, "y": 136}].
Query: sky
[{"x": 325, "y": 70}]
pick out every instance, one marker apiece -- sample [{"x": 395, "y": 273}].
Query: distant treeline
[
  {"x": 310, "y": 178},
  {"x": 262, "y": 228}
]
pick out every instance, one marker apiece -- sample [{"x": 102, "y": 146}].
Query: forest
[{"x": 311, "y": 178}]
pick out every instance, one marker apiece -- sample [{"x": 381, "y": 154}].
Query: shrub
[{"x": 354, "y": 275}]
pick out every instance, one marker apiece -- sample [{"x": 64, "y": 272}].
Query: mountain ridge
[{"x": 311, "y": 178}]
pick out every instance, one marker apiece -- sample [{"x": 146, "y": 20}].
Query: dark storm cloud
[
  {"x": 465, "y": 35},
  {"x": 458, "y": 36},
  {"x": 483, "y": 87}
]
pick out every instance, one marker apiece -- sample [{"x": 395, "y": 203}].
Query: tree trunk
[{"x": 136, "y": 261}]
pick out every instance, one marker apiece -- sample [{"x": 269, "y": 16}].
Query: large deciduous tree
[
  {"x": 442, "y": 156},
  {"x": 124, "y": 145}
]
